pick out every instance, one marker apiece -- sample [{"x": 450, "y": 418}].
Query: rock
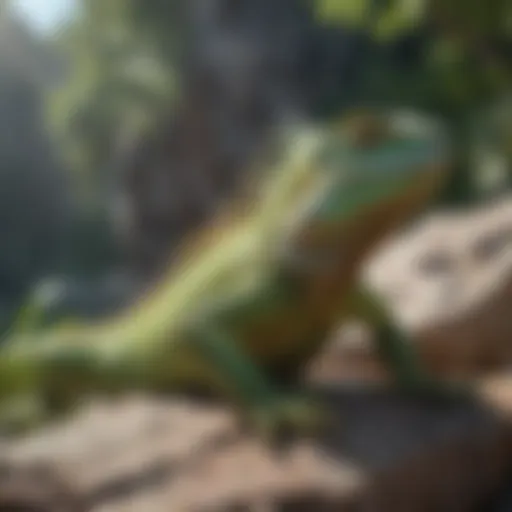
[{"x": 382, "y": 453}]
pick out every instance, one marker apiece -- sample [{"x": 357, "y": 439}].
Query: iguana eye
[{"x": 366, "y": 130}]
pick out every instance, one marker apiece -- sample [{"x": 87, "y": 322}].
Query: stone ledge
[{"x": 383, "y": 453}]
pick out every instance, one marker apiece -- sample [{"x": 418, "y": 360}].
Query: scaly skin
[{"x": 253, "y": 299}]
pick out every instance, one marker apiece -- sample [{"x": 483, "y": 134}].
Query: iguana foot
[{"x": 288, "y": 416}]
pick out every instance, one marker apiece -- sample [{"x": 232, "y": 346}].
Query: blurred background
[{"x": 125, "y": 123}]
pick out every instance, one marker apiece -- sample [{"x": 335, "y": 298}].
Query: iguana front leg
[
  {"x": 394, "y": 347},
  {"x": 270, "y": 411}
]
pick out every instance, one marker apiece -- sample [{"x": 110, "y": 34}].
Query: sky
[{"x": 44, "y": 15}]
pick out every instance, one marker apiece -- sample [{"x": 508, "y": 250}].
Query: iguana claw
[{"x": 288, "y": 416}]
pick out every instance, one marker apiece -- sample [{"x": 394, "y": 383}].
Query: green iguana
[{"x": 254, "y": 298}]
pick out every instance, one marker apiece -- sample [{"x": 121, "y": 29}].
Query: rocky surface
[{"x": 383, "y": 453}]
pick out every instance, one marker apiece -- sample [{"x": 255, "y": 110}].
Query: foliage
[{"x": 117, "y": 80}]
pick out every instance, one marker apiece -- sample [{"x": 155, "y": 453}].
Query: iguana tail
[
  {"x": 63, "y": 371},
  {"x": 29, "y": 366}
]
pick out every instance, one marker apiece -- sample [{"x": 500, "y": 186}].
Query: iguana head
[
  {"x": 384, "y": 160},
  {"x": 371, "y": 173}
]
